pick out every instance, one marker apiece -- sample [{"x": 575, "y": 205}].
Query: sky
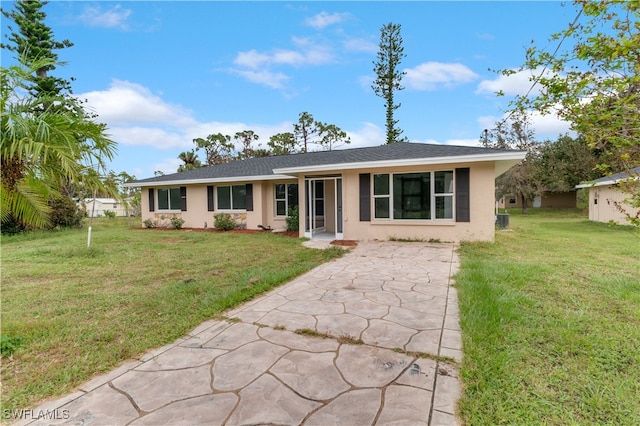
[{"x": 162, "y": 73}]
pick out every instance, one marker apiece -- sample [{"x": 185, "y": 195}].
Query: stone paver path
[{"x": 357, "y": 341}]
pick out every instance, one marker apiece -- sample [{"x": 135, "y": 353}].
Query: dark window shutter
[
  {"x": 462, "y": 195},
  {"x": 210, "y": 198},
  {"x": 152, "y": 200},
  {"x": 249, "y": 197},
  {"x": 183, "y": 198},
  {"x": 365, "y": 197}
]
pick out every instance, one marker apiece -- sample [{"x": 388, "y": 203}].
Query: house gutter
[
  {"x": 206, "y": 180},
  {"x": 506, "y": 160}
]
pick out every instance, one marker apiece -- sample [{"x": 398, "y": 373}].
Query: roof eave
[
  {"x": 595, "y": 183},
  {"x": 505, "y": 160},
  {"x": 206, "y": 180}
]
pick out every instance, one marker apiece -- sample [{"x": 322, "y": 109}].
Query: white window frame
[
  {"x": 171, "y": 208},
  {"x": 433, "y": 196},
  {"x": 285, "y": 199}
]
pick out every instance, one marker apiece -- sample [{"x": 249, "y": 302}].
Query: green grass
[
  {"x": 550, "y": 314},
  {"x": 70, "y": 312}
]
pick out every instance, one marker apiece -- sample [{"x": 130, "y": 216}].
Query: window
[
  {"x": 232, "y": 197},
  {"x": 443, "y": 193},
  {"x": 286, "y": 195},
  {"x": 381, "y": 197},
  {"x": 422, "y": 196},
  {"x": 411, "y": 196},
  {"x": 169, "y": 199}
]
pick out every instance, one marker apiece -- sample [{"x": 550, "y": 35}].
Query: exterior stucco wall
[
  {"x": 197, "y": 214},
  {"x": 481, "y": 206},
  {"x": 602, "y": 207},
  {"x": 481, "y": 226}
]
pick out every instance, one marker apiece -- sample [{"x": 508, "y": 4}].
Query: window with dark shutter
[
  {"x": 365, "y": 197},
  {"x": 210, "y": 198},
  {"x": 152, "y": 201},
  {"x": 463, "y": 213}
]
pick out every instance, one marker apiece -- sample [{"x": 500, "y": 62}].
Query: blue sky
[{"x": 161, "y": 73}]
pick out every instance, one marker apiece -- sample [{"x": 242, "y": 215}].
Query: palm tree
[
  {"x": 191, "y": 161},
  {"x": 42, "y": 145}
]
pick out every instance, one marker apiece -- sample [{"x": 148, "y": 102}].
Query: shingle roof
[
  {"x": 264, "y": 166},
  {"x": 611, "y": 179}
]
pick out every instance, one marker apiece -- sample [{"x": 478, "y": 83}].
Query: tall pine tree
[
  {"x": 388, "y": 76},
  {"x": 34, "y": 45}
]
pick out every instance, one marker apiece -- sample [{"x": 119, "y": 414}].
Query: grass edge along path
[
  {"x": 550, "y": 315},
  {"x": 75, "y": 312}
]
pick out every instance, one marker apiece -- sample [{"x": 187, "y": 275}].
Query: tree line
[{"x": 308, "y": 134}]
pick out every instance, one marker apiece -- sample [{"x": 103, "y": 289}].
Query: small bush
[
  {"x": 177, "y": 222},
  {"x": 11, "y": 226},
  {"x": 149, "y": 223},
  {"x": 65, "y": 213},
  {"x": 8, "y": 344},
  {"x": 293, "y": 219},
  {"x": 224, "y": 221},
  {"x": 109, "y": 214}
]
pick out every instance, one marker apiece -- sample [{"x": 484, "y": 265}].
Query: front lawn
[
  {"x": 70, "y": 312},
  {"x": 551, "y": 323}
]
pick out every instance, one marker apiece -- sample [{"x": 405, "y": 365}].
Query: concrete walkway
[{"x": 373, "y": 329}]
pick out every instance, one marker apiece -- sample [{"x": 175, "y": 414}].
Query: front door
[{"x": 323, "y": 205}]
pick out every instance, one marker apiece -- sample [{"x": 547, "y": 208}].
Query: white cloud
[
  {"x": 116, "y": 17},
  {"x": 251, "y": 59},
  {"x": 256, "y": 66},
  {"x": 155, "y": 137},
  {"x": 167, "y": 165},
  {"x": 307, "y": 53},
  {"x": 518, "y": 83},
  {"x": 137, "y": 117},
  {"x": 544, "y": 126},
  {"x": 324, "y": 19},
  {"x": 274, "y": 80},
  {"x": 485, "y": 36},
  {"x": 433, "y": 75},
  {"x": 360, "y": 45},
  {"x": 368, "y": 135},
  {"x": 548, "y": 126},
  {"x": 125, "y": 103}
]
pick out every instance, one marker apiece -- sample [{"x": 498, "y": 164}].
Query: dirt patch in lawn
[
  {"x": 293, "y": 234},
  {"x": 345, "y": 243}
]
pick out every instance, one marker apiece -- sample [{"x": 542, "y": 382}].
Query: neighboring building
[
  {"x": 603, "y": 196},
  {"x": 556, "y": 200},
  {"x": 401, "y": 190},
  {"x": 97, "y": 206}
]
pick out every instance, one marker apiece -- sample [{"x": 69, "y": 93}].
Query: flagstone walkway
[{"x": 370, "y": 338}]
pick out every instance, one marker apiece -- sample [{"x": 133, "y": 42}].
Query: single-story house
[
  {"x": 604, "y": 194},
  {"x": 402, "y": 190},
  {"x": 97, "y": 206},
  {"x": 548, "y": 199}
]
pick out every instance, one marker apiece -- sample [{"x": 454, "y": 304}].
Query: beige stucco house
[
  {"x": 402, "y": 190},
  {"x": 96, "y": 207},
  {"x": 604, "y": 195}
]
